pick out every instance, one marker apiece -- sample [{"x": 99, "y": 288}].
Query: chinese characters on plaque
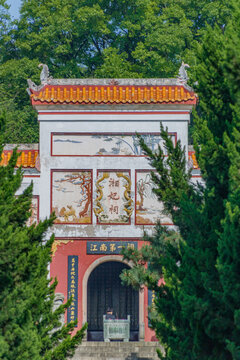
[
  {"x": 72, "y": 312},
  {"x": 109, "y": 247},
  {"x": 113, "y": 204}
]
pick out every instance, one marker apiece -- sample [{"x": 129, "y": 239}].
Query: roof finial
[
  {"x": 182, "y": 73},
  {"x": 44, "y": 76}
]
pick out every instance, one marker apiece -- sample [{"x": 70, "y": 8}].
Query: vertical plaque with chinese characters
[
  {"x": 113, "y": 203},
  {"x": 72, "y": 312},
  {"x": 151, "y": 303}
]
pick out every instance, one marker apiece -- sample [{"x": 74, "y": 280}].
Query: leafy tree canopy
[{"x": 89, "y": 38}]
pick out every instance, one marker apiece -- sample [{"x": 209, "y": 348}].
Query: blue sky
[{"x": 14, "y": 9}]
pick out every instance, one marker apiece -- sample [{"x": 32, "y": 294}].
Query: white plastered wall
[{"x": 106, "y": 123}]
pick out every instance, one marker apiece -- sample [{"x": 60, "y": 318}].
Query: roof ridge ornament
[
  {"x": 44, "y": 78},
  {"x": 182, "y": 73}
]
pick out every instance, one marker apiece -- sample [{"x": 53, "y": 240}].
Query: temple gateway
[{"x": 90, "y": 170}]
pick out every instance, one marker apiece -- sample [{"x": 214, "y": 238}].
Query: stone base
[{"x": 117, "y": 351}]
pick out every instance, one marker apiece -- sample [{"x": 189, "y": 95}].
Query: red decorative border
[
  {"x": 31, "y": 176},
  {"x": 51, "y": 195},
  {"x": 104, "y": 133},
  {"x": 114, "y": 170},
  {"x": 144, "y": 171},
  {"x": 99, "y": 238}
]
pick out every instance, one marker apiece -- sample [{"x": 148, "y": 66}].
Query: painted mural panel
[
  {"x": 113, "y": 204},
  {"x": 34, "y": 211},
  {"x": 72, "y": 196},
  {"x": 148, "y": 210},
  {"x": 103, "y": 144}
]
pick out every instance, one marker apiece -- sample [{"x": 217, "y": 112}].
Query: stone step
[{"x": 117, "y": 351}]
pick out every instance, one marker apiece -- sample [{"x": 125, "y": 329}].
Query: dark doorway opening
[{"x": 105, "y": 290}]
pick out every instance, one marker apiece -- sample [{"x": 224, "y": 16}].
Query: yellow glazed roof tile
[
  {"x": 113, "y": 94},
  {"x": 192, "y": 159},
  {"x": 27, "y": 159}
]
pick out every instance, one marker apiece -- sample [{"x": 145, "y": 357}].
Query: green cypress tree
[
  {"x": 196, "y": 314},
  {"x": 228, "y": 262},
  {"x": 29, "y": 329}
]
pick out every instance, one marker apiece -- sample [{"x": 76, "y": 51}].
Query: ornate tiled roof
[
  {"x": 113, "y": 94},
  {"x": 27, "y": 159}
]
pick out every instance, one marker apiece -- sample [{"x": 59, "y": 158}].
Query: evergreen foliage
[
  {"x": 196, "y": 313},
  {"x": 29, "y": 329}
]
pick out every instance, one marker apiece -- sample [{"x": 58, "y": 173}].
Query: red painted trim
[
  {"x": 31, "y": 176},
  {"x": 71, "y": 103},
  {"x": 99, "y": 238},
  {"x": 125, "y": 112},
  {"x": 51, "y": 195},
  {"x": 114, "y": 170},
  {"x": 196, "y": 176},
  {"x": 51, "y": 144},
  {"x": 150, "y": 224},
  {"x": 105, "y": 133},
  {"x": 100, "y": 156}
]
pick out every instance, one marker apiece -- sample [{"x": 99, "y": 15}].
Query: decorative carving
[
  {"x": 182, "y": 73},
  {"x": 127, "y": 194},
  {"x": 44, "y": 76},
  {"x": 113, "y": 203},
  {"x": 99, "y": 207},
  {"x": 57, "y": 243},
  {"x": 33, "y": 86}
]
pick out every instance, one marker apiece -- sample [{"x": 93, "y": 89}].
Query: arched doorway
[{"x": 105, "y": 290}]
